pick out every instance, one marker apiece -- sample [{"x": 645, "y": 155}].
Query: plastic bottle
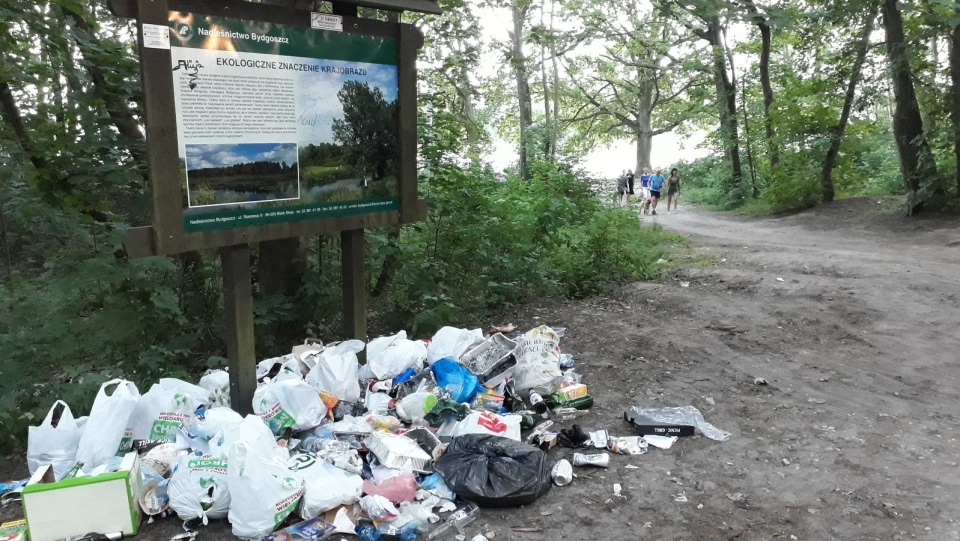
[
  {"x": 416, "y": 406},
  {"x": 460, "y": 518},
  {"x": 367, "y": 532},
  {"x": 562, "y": 472}
]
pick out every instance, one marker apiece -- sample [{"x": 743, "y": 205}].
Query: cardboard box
[
  {"x": 573, "y": 391},
  {"x": 104, "y": 503},
  {"x": 314, "y": 529},
  {"x": 15, "y": 530},
  {"x": 646, "y": 426}
]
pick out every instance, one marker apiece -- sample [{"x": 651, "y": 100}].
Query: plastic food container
[{"x": 493, "y": 361}]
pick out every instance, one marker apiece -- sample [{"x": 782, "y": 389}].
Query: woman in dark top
[{"x": 673, "y": 189}]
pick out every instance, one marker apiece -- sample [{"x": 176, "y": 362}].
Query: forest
[{"x": 800, "y": 103}]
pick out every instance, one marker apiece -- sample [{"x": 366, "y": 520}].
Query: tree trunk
[
  {"x": 765, "y": 37},
  {"x": 955, "y": 92},
  {"x": 826, "y": 176},
  {"x": 755, "y": 190},
  {"x": 111, "y": 95},
  {"x": 727, "y": 101},
  {"x": 643, "y": 129},
  {"x": 546, "y": 94},
  {"x": 772, "y": 147},
  {"x": 644, "y": 146},
  {"x": 523, "y": 87},
  {"x": 916, "y": 160},
  {"x": 4, "y": 243},
  {"x": 554, "y": 132},
  {"x": 11, "y": 114},
  {"x": 469, "y": 115}
]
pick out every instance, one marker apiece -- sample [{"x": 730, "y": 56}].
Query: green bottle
[
  {"x": 581, "y": 403},
  {"x": 447, "y": 409},
  {"x": 527, "y": 421}
]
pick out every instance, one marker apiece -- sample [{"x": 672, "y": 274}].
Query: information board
[{"x": 280, "y": 123}]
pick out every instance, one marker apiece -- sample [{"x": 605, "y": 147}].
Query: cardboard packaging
[
  {"x": 314, "y": 529},
  {"x": 571, "y": 392},
  {"x": 15, "y": 530},
  {"x": 646, "y": 426},
  {"x": 72, "y": 507}
]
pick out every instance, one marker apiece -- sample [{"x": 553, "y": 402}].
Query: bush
[{"x": 490, "y": 243}]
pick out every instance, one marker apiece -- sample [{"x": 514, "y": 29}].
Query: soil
[{"x": 849, "y": 312}]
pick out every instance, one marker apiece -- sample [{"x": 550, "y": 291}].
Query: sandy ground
[{"x": 848, "y": 312}]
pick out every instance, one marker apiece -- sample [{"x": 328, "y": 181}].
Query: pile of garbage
[{"x": 380, "y": 449}]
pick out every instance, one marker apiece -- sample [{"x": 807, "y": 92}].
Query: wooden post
[
  {"x": 238, "y": 323},
  {"x": 354, "y": 284}
]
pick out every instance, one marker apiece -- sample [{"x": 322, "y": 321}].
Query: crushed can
[{"x": 600, "y": 460}]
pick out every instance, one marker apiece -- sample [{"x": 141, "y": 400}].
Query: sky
[
  {"x": 317, "y": 102},
  {"x": 609, "y": 162},
  {"x": 207, "y": 156}
]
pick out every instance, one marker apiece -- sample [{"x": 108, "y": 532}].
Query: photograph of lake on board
[{"x": 241, "y": 173}]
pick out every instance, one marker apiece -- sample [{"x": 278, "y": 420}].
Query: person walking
[
  {"x": 673, "y": 189},
  {"x": 621, "y": 188},
  {"x": 645, "y": 184},
  {"x": 656, "y": 184},
  {"x": 630, "y": 179}
]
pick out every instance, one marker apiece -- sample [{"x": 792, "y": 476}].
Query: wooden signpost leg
[
  {"x": 354, "y": 285},
  {"x": 238, "y": 308}
]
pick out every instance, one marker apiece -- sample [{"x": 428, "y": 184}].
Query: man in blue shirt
[
  {"x": 645, "y": 185},
  {"x": 656, "y": 184}
]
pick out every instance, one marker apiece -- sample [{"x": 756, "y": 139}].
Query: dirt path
[{"x": 850, "y": 314}]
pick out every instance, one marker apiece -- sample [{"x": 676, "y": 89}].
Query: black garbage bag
[{"x": 494, "y": 472}]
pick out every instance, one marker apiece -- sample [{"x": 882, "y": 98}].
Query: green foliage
[
  {"x": 707, "y": 181},
  {"x": 490, "y": 243},
  {"x": 89, "y": 316}
]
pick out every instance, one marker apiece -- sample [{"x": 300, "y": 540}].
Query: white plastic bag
[
  {"x": 262, "y": 491},
  {"x": 505, "y": 426},
  {"x": 214, "y": 420},
  {"x": 54, "y": 445},
  {"x": 107, "y": 432},
  {"x": 326, "y": 486},
  {"x": 336, "y": 371},
  {"x": 199, "y": 488},
  {"x": 289, "y": 368},
  {"x": 217, "y": 383},
  {"x": 538, "y": 362},
  {"x": 390, "y": 356},
  {"x": 289, "y": 403},
  {"x": 377, "y": 403},
  {"x": 451, "y": 342},
  {"x": 166, "y": 406},
  {"x": 251, "y": 431}
]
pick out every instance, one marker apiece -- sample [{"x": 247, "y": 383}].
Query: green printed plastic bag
[
  {"x": 288, "y": 403},
  {"x": 199, "y": 488},
  {"x": 262, "y": 491},
  {"x": 166, "y": 406}
]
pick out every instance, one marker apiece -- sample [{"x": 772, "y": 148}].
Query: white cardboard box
[{"x": 104, "y": 503}]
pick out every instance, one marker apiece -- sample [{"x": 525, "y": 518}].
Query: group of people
[{"x": 651, "y": 188}]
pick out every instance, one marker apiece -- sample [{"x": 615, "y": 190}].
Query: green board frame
[{"x": 168, "y": 235}]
